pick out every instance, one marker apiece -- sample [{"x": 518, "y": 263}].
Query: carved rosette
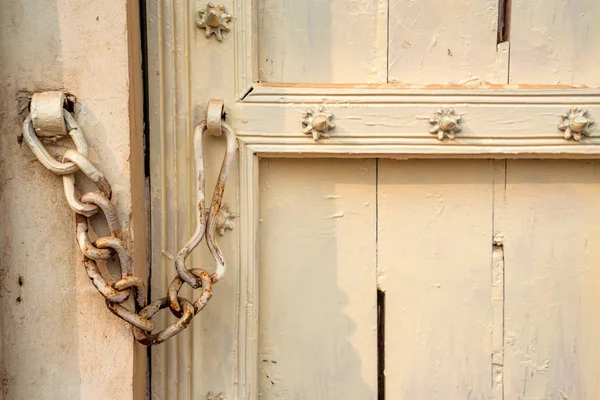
[
  {"x": 213, "y": 19},
  {"x": 445, "y": 123},
  {"x": 317, "y": 123},
  {"x": 576, "y": 123},
  {"x": 224, "y": 219}
]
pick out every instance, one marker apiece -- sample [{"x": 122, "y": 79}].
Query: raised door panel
[
  {"x": 444, "y": 41},
  {"x": 322, "y": 41},
  {"x": 552, "y": 274},
  {"x": 317, "y": 307},
  {"x": 435, "y": 230},
  {"x": 555, "y": 42}
]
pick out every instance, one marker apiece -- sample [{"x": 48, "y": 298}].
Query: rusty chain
[{"x": 117, "y": 292}]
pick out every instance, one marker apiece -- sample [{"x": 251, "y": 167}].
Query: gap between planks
[
  {"x": 380, "y": 299},
  {"x": 504, "y": 8}
]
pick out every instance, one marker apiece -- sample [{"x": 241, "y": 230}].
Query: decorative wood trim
[
  {"x": 246, "y": 380},
  {"x": 428, "y": 94},
  {"x": 493, "y": 122},
  {"x": 576, "y": 123},
  {"x": 245, "y": 53},
  {"x": 445, "y": 123},
  {"x": 252, "y": 148},
  {"x": 422, "y": 148},
  {"x": 213, "y": 19},
  {"x": 317, "y": 123}
]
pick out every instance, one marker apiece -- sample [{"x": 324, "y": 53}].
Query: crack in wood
[
  {"x": 380, "y": 344},
  {"x": 503, "y": 21}
]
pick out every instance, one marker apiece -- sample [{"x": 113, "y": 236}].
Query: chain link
[{"x": 117, "y": 292}]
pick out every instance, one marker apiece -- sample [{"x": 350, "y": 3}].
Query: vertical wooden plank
[
  {"x": 246, "y": 348},
  {"x": 555, "y": 42},
  {"x": 179, "y": 367},
  {"x": 139, "y": 185},
  {"x": 443, "y": 41},
  {"x": 499, "y": 217},
  {"x": 317, "y": 308},
  {"x": 322, "y": 41},
  {"x": 552, "y": 280},
  {"x": 435, "y": 230}
]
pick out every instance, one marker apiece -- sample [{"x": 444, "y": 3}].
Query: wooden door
[
  {"x": 481, "y": 271},
  {"x": 385, "y": 261}
]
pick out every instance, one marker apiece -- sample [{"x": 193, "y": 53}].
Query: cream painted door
[
  {"x": 382, "y": 262},
  {"x": 461, "y": 316}
]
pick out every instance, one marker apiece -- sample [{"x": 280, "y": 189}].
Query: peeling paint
[{"x": 339, "y": 214}]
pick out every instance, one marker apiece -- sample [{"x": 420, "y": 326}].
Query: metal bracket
[
  {"x": 215, "y": 112},
  {"x": 47, "y": 114}
]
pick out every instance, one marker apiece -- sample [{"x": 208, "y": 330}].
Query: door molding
[
  {"x": 497, "y": 123},
  {"x": 253, "y": 147}
]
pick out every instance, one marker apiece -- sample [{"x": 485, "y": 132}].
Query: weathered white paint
[
  {"x": 529, "y": 117},
  {"x": 58, "y": 339},
  {"x": 443, "y": 42},
  {"x": 322, "y": 41},
  {"x": 435, "y": 224},
  {"x": 317, "y": 299},
  {"x": 508, "y": 121},
  {"x": 199, "y": 359},
  {"x": 555, "y": 42},
  {"x": 552, "y": 280},
  {"x": 326, "y": 53}
]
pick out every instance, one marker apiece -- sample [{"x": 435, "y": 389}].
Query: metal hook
[{"x": 214, "y": 116}]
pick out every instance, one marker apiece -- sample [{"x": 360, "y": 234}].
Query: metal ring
[
  {"x": 110, "y": 214},
  {"x": 171, "y": 330},
  {"x": 90, "y": 170},
  {"x": 72, "y": 198},
  {"x": 103, "y": 285},
  {"x": 200, "y": 302},
  {"x": 42, "y": 154},
  {"x": 214, "y": 116},
  {"x": 76, "y": 133},
  {"x": 85, "y": 244},
  {"x": 134, "y": 283},
  {"x": 117, "y": 245},
  {"x": 38, "y": 149},
  {"x": 134, "y": 319}
]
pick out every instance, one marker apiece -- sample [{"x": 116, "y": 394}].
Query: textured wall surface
[{"x": 59, "y": 340}]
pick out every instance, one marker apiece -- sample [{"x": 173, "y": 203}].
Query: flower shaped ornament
[
  {"x": 224, "y": 219},
  {"x": 317, "y": 123},
  {"x": 214, "y": 19},
  {"x": 576, "y": 123},
  {"x": 445, "y": 123}
]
